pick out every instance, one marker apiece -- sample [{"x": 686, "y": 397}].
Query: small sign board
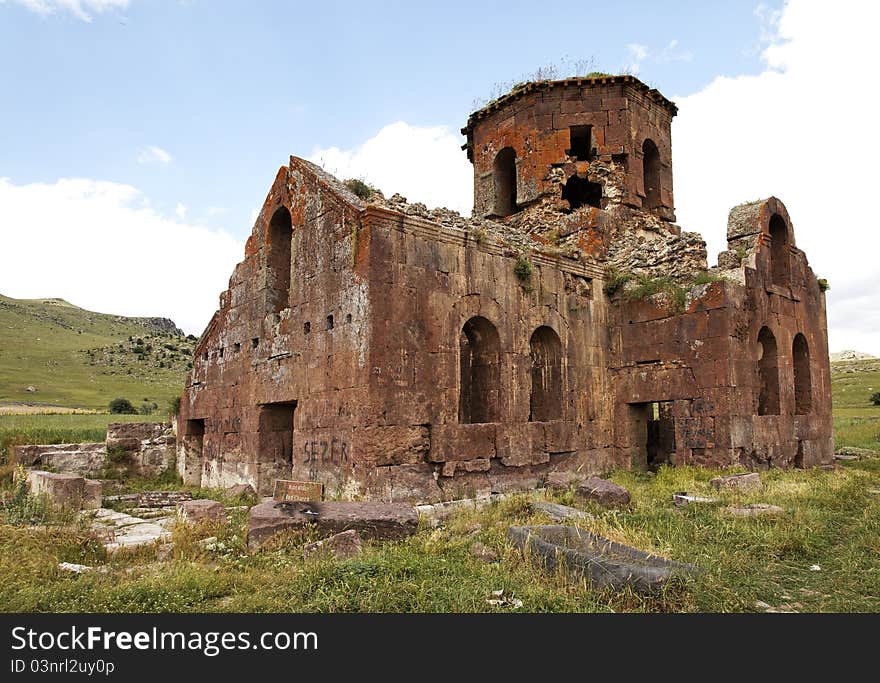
[{"x": 287, "y": 491}]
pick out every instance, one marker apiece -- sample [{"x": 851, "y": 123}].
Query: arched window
[
  {"x": 651, "y": 169},
  {"x": 581, "y": 192},
  {"x": 480, "y": 397},
  {"x": 505, "y": 182},
  {"x": 545, "y": 401},
  {"x": 280, "y": 237},
  {"x": 779, "y": 254},
  {"x": 768, "y": 373},
  {"x": 803, "y": 384}
]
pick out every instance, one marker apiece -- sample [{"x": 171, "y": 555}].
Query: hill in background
[{"x": 53, "y": 352}]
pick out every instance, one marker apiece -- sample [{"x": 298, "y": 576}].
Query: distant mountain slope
[
  {"x": 849, "y": 354},
  {"x": 54, "y": 352}
]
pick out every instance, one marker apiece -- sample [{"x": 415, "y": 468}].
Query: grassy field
[
  {"x": 856, "y": 421},
  {"x": 62, "y": 428},
  {"x": 822, "y": 554},
  {"x": 77, "y": 358}
]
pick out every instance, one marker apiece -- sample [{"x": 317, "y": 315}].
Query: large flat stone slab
[
  {"x": 748, "y": 481},
  {"x": 384, "y": 521},
  {"x": 604, "y": 563},
  {"x": 125, "y": 531},
  {"x": 202, "y": 510}
]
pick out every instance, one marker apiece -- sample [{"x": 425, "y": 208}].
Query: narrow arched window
[
  {"x": 768, "y": 373},
  {"x": 779, "y": 251},
  {"x": 803, "y": 384},
  {"x": 505, "y": 182},
  {"x": 545, "y": 399},
  {"x": 280, "y": 237},
  {"x": 480, "y": 391},
  {"x": 651, "y": 170}
]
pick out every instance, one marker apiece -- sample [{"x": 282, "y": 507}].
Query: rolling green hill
[{"x": 52, "y": 352}]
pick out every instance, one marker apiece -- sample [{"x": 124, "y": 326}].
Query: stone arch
[
  {"x": 480, "y": 369},
  {"x": 278, "y": 261},
  {"x": 504, "y": 171},
  {"x": 768, "y": 373},
  {"x": 545, "y": 397},
  {"x": 803, "y": 383},
  {"x": 780, "y": 254},
  {"x": 651, "y": 173}
]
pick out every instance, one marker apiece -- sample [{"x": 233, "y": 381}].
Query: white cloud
[
  {"x": 79, "y": 8},
  {"x": 95, "y": 244},
  {"x": 153, "y": 155},
  {"x": 638, "y": 53},
  {"x": 180, "y": 211},
  {"x": 797, "y": 131},
  {"x": 424, "y": 164}
]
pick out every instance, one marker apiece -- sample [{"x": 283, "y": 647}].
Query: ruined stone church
[{"x": 398, "y": 353}]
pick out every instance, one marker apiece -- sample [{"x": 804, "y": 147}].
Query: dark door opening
[
  {"x": 276, "y": 432},
  {"x": 660, "y": 442}
]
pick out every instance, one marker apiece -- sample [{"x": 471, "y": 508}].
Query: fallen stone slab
[
  {"x": 559, "y": 513},
  {"x": 341, "y": 546},
  {"x": 844, "y": 457},
  {"x": 202, "y": 510},
  {"x": 75, "y": 568},
  {"x": 858, "y": 452},
  {"x": 683, "y": 498},
  {"x": 65, "y": 490},
  {"x": 604, "y": 563},
  {"x": 748, "y": 481},
  {"x": 483, "y": 553},
  {"x": 605, "y": 493},
  {"x": 754, "y": 510},
  {"x": 160, "y": 499},
  {"x": 384, "y": 521},
  {"x": 125, "y": 531},
  {"x": 438, "y": 512},
  {"x": 562, "y": 481},
  {"x": 241, "y": 491}
]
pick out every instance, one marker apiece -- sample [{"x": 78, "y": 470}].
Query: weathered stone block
[
  {"x": 64, "y": 490},
  {"x": 603, "y": 492},
  {"x": 342, "y": 546},
  {"x": 384, "y": 521},
  {"x": 462, "y": 442},
  {"x": 750, "y": 481},
  {"x": 195, "y": 511}
]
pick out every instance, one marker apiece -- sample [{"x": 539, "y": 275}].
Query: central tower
[{"x": 576, "y": 142}]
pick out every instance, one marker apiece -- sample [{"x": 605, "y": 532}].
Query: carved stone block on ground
[
  {"x": 750, "y": 481},
  {"x": 603, "y": 492},
  {"x": 384, "y": 521},
  {"x": 342, "y": 546},
  {"x": 195, "y": 511}
]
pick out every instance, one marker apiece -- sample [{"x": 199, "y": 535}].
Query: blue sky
[
  {"x": 141, "y": 136},
  {"x": 229, "y": 89}
]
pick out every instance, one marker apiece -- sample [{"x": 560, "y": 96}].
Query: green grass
[
  {"x": 830, "y": 521},
  {"x": 856, "y": 420},
  {"x": 74, "y": 357}
]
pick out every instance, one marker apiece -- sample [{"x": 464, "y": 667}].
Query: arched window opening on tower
[
  {"x": 779, "y": 251},
  {"x": 280, "y": 238},
  {"x": 768, "y": 373},
  {"x": 505, "y": 182},
  {"x": 480, "y": 392},
  {"x": 803, "y": 384},
  {"x": 581, "y": 192},
  {"x": 651, "y": 168},
  {"x": 545, "y": 400}
]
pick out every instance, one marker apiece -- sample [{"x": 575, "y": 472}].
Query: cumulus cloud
[
  {"x": 153, "y": 155},
  {"x": 100, "y": 246},
  {"x": 796, "y": 131},
  {"x": 423, "y": 163},
  {"x": 81, "y": 9}
]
